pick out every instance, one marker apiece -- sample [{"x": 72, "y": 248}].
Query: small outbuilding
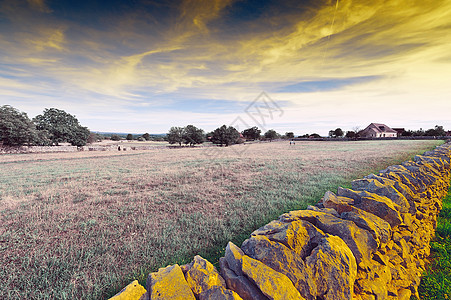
[{"x": 377, "y": 130}]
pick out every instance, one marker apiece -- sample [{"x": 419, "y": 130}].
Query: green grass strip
[{"x": 436, "y": 282}]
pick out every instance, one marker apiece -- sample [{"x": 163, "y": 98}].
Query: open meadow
[{"x": 83, "y": 225}]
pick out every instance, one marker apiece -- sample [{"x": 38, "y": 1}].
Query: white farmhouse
[{"x": 376, "y": 130}]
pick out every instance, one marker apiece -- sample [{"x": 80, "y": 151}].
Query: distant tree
[
  {"x": 304, "y": 136},
  {"x": 146, "y": 136},
  {"x": 430, "y": 132},
  {"x": 225, "y": 136},
  {"x": 289, "y": 135},
  {"x": 16, "y": 129},
  {"x": 314, "y": 136},
  {"x": 193, "y": 135},
  {"x": 338, "y": 132},
  {"x": 252, "y": 133},
  {"x": 115, "y": 137},
  {"x": 129, "y": 137},
  {"x": 62, "y": 127},
  {"x": 419, "y": 132},
  {"x": 175, "y": 135},
  {"x": 271, "y": 134},
  {"x": 91, "y": 138},
  {"x": 94, "y": 137},
  {"x": 436, "y": 131},
  {"x": 407, "y": 133},
  {"x": 350, "y": 134},
  {"x": 331, "y": 133},
  {"x": 357, "y": 131}
]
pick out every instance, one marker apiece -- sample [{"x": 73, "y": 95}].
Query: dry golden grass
[{"x": 81, "y": 225}]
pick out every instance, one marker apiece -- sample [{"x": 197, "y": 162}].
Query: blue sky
[{"x": 146, "y": 65}]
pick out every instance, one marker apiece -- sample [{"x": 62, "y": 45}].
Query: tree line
[
  {"x": 130, "y": 137},
  {"x": 52, "y": 127},
  {"x": 437, "y": 131},
  {"x": 191, "y": 135},
  {"x": 222, "y": 136},
  {"x": 55, "y": 126}
]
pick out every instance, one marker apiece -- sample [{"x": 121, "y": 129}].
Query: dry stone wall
[
  {"x": 37, "y": 149},
  {"x": 368, "y": 242}
]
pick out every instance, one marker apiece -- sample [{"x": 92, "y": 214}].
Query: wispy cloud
[{"x": 39, "y": 5}]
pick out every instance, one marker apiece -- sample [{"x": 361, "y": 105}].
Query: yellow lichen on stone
[
  {"x": 133, "y": 291},
  {"x": 169, "y": 284},
  {"x": 202, "y": 275},
  {"x": 272, "y": 283}
]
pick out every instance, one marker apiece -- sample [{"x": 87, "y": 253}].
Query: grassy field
[
  {"x": 436, "y": 283},
  {"x": 82, "y": 225},
  {"x": 132, "y": 143}
]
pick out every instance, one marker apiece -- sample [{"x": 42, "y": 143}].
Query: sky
[{"x": 290, "y": 65}]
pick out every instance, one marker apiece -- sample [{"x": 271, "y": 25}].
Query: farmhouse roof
[{"x": 381, "y": 128}]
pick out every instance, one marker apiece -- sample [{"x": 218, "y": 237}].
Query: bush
[{"x": 115, "y": 137}]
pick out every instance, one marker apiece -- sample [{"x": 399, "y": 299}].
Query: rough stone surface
[
  {"x": 169, "y": 284},
  {"x": 240, "y": 284},
  {"x": 300, "y": 236},
  {"x": 219, "y": 293},
  {"x": 401, "y": 176},
  {"x": 374, "y": 281},
  {"x": 340, "y": 204},
  {"x": 280, "y": 258},
  {"x": 404, "y": 294},
  {"x": 272, "y": 283},
  {"x": 145, "y": 296},
  {"x": 202, "y": 275},
  {"x": 233, "y": 256},
  {"x": 397, "y": 184},
  {"x": 326, "y": 210},
  {"x": 386, "y": 190},
  {"x": 379, "y": 228},
  {"x": 360, "y": 241},
  {"x": 133, "y": 291},
  {"x": 380, "y": 206},
  {"x": 334, "y": 267}
]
